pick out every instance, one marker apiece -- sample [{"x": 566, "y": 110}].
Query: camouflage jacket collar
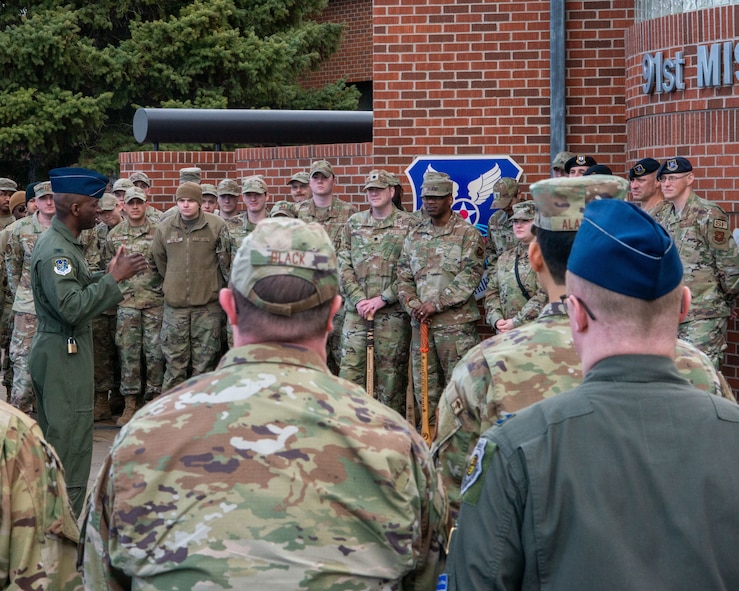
[
  {"x": 554, "y": 309},
  {"x": 277, "y": 353}
]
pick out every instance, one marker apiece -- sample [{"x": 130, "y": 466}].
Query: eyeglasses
[
  {"x": 434, "y": 197},
  {"x": 564, "y": 298},
  {"x": 673, "y": 178}
]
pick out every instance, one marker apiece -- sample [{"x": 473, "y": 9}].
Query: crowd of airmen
[{"x": 407, "y": 272}]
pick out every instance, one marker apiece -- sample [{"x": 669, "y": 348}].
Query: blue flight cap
[
  {"x": 78, "y": 181},
  {"x": 621, "y": 248}
]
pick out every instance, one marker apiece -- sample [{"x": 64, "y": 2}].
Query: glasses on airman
[
  {"x": 434, "y": 197},
  {"x": 671, "y": 178},
  {"x": 566, "y": 297}
]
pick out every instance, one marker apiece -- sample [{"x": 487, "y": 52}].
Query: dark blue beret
[
  {"x": 598, "y": 169},
  {"x": 674, "y": 166},
  {"x": 643, "y": 167},
  {"x": 78, "y": 181},
  {"x": 579, "y": 160},
  {"x": 621, "y": 248}
]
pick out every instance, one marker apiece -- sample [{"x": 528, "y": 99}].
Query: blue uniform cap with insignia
[
  {"x": 623, "y": 249},
  {"x": 78, "y": 181},
  {"x": 674, "y": 165}
]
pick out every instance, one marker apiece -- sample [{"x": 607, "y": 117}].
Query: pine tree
[{"x": 73, "y": 73}]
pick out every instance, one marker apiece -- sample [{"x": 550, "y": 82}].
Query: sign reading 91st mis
[{"x": 473, "y": 178}]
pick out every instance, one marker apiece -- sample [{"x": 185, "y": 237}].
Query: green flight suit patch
[
  {"x": 480, "y": 461},
  {"x": 62, "y": 266}
]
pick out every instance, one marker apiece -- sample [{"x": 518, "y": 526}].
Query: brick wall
[
  {"x": 472, "y": 77},
  {"x": 700, "y": 124},
  {"x": 353, "y": 60},
  {"x": 351, "y": 164}
]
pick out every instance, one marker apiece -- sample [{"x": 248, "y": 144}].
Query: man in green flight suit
[{"x": 67, "y": 297}]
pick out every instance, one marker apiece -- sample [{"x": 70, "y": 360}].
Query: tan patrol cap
[
  {"x": 560, "y": 202},
  {"x": 190, "y": 175},
  {"x": 285, "y": 246},
  {"x": 134, "y": 193}
]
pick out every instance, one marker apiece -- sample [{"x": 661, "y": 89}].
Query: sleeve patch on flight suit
[
  {"x": 480, "y": 460},
  {"x": 474, "y": 466},
  {"x": 62, "y": 266}
]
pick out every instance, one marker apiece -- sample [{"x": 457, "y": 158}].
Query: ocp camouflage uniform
[
  {"x": 103, "y": 325},
  {"x": 239, "y": 227},
  {"x": 21, "y": 240},
  {"x": 332, "y": 218},
  {"x": 6, "y": 315},
  {"x": 514, "y": 370},
  {"x": 291, "y": 479},
  {"x": 139, "y": 317},
  {"x": 444, "y": 266},
  {"x": 194, "y": 261},
  {"x": 711, "y": 270},
  {"x": 39, "y": 535},
  {"x": 367, "y": 263},
  {"x": 500, "y": 238},
  {"x": 504, "y": 298}
]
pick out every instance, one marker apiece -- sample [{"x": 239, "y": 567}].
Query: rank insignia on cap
[
  {"x": 639, "y": 170},
  {"x": 671, "y": 165},
  {"x": 62, "y": 266}
]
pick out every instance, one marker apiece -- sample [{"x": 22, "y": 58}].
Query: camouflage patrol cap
[
  {"x": 8, "y": 185},
  {"x": 379, "y": 179},
  {"x": 108, "y": 202},
  {"x": 122, "y": 185},
  {"x": 254, "y": 184},
  {"x": 41, "y": 189},
  {"x": 209, "y": 189},
  {"x": 323, "y": 167},
  {"x": 524, "y": 211},
  {"x": 300, "y": 177},
  {"x": 190, "y": 175},
  {"x": 579, "y": 160},
  {"x": 505, "y": 191},
  {"x": 284, "y": 246},
  {"x": 560, "y": 202},
  {"x": 140, "y": 177},
  {"x": 561, "y": 159},
  {"x": 134, "y": 193},
  {"x": 393, "y": 180},
  {"x": 436, "y": 184},
  {"x": 229, "y": 187},
  {"x": 282, "y": 209}
]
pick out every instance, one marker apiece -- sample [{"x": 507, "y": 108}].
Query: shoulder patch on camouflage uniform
[
  {"x": 719, "y": 234},
  {"x": 62, "y": 266}
]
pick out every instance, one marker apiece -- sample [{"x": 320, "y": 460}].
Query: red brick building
[{"x": 473, "y": 77}]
